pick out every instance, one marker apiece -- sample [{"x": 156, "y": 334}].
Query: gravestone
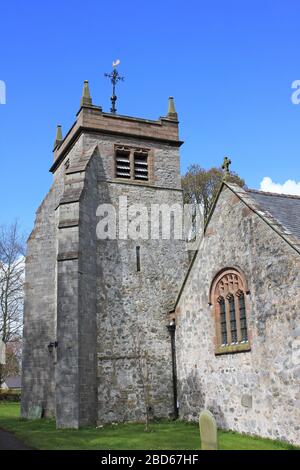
[
  {"x": 208, "y": 431},
  {"x": 35, "y": 412},
  {"x": 2, "y": 352}
]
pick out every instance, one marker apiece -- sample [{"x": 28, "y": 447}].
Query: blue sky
[{"x": 229, "y": 64}]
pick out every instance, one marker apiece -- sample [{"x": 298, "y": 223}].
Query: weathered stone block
[{"x": 246, "y": 401}]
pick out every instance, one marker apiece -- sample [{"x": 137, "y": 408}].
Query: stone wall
[
  {"x": 105, "y": 315},
  {"x": 38, "y": 387},
  {"x": 133, "y": 316},
  {"x": 133, "y": 306},
  {"x": 89, "y": 273},
  {"x": 76, "y": 401},
  {"x": 254, "y": 392}
]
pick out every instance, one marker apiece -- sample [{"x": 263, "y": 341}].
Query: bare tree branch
[
  {"x": 12, "y": 250},
  {"x": 201, "y": 186}
]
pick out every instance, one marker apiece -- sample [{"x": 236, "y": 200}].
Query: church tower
[{"x": 96, "y": 345}]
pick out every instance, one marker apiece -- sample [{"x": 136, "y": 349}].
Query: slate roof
[
  {"x": 280, "y": 211},
  {"x": 13, "y": 381},
  {"x": 284, "y": 208}
]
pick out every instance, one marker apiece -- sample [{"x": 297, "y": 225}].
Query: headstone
[
  {"x": 2, "y": 352},
  {"x": 35, "y": 412},
  {"x": 208, "y": 431},
  {"x": 246, "y": 401}
]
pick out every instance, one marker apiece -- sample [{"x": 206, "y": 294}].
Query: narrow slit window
[
  {"x": 123, "y": 164},
  {"x": 138, "y": 258},
  {"x": 243, "y": 318},
  {"x": 223, "y": 321},
  {"x": 233, "y": 327},
  {"x": 141, "y": 166}
]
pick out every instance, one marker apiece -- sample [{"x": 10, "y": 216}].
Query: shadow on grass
[{"x": 171, "y": 435}]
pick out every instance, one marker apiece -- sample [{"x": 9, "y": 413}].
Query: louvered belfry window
[
  {"x": 123, "y": 163},
  {"x": 141, "y": 166},
  {"x": 132, "y": 164},
  {"x": 228, "y": 294}
]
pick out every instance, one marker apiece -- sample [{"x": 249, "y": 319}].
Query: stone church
[{"x": 116, "y": 328}]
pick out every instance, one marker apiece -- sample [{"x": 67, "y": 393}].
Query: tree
[
  {"x": 200, "y": 186},
  {"x": 11, "y": 285},
  {"x": 13, "y": 360}
]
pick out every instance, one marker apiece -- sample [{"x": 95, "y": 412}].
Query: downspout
[{"x": 171, "y": 328}]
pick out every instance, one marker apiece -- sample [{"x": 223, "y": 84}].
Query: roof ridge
[{"x": 269, "y": 193}]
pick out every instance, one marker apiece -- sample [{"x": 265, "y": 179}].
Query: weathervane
[{"x": 114, "y": 78}]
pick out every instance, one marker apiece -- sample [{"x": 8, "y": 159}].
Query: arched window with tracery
[{"x": 228, "y": 295}]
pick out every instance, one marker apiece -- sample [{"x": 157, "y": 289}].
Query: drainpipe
[{"x": 171, "y": 328}]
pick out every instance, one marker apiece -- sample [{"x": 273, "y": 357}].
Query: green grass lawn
[{"x": 42, "y": 434}]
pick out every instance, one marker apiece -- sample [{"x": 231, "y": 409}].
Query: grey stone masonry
[
  {"x": 255, "y": 391},
  {"x": 38, "y": 383},
  {"x": 87, "y": 295}
]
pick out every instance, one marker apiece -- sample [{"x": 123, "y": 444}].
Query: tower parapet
[{"x": 91, "y": 119}]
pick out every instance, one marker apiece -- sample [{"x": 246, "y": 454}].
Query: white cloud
[{"x": 288, "y": 187}]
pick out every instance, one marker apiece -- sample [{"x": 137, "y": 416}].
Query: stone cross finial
[
  {"x": 86, "y": 99},
  {"x": 58, "y": 138},
  {"x": 208, "y": 431},
  {"x": 226, "y": 165},
  {"x": 171, "y": 109}
]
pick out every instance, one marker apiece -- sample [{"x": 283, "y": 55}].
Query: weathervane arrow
[{"x": 114, "y": 77}]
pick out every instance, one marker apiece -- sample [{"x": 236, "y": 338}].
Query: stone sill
[
  {"x": 145, "y": 184},
  {"x": 231, "y": 349},
  {"x": 133, "y": 181}
]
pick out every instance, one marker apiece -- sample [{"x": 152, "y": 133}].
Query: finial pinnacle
[
  {"x": 115, "y": 77},
  {"x": 171, "y": 109},
  {"x": 225, "y": 167},
  {"x": 58, "y": 138},
  {"x": 86, "y": 99}
]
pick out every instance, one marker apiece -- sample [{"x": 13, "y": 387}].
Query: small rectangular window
[
  {"x": 138, "y": 258},
  {"x": 123, "y": 164},
  {"x": 141, "y": 165}
]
